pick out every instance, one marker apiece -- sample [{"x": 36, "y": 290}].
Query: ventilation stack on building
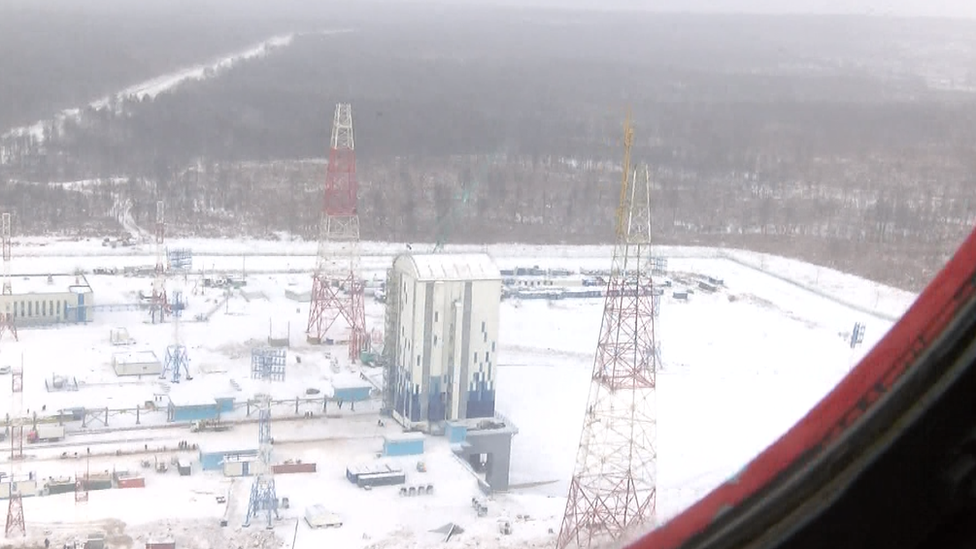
[
  {"x": 159, "y": 306},
  {"x": 15, "y": 505},
  {"x": 266, "y": 366},
  {"x": 7, "y": 324},
  {"x": 442, "y": 314},
  {"x": 613, "y": 492},
  {"x": 338, "y": 290}
]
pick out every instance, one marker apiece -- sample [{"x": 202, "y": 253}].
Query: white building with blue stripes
[{"x": 443, "y": 310}]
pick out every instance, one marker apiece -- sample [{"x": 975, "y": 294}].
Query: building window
[
  {"x": 488, "y": 358},
  {"x": 476, "y": 357},
  {"x": 30, "y": 308},
  {"x": 493, "y": 346},
  {"x": 435, "y": 316},
  {"x": 50, "y": 307},
  {"x": 21, "y": 308},
  {"x": 484, "y": 337},
  {"x": 482, "y": 325},
  {"x": 59, "y": 308},
  {"x": 66, "y": 308},
  {"x": 435, "y": 339},
  {"x": 418, "y": 360}
]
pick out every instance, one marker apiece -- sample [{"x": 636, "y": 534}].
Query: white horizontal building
[
  {"x": 40, "y": 300},
  {"x": 136, "y": 363},
  {"x": 442, "y": 316}
]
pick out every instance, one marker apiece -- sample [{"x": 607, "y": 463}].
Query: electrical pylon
[
  {"x": 15, "y": 505},
  {"x": 159, "y": 306},
  {"x": 264, "y": 497},
  {"x": 613, "y": 492},
  {"x": 7, "y": 324},
  {"x": 337, "y": 287}
]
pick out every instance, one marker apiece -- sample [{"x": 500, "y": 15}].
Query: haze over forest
[{"x": 846, "y": 140}]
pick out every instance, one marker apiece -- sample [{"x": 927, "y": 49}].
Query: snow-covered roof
[
  {"x": 404, "y": 437},
  {"x": 447, "y": 267},
  {"x": 191, "y": 398},
  {"x": 136, "y": 357},
  {"x": 348, "y": 382},
  {"x": 41, "y": 284}
]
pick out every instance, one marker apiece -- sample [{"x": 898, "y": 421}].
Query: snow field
[
  {"x": 727, "y": 364},
  {"x": 737, "y": 374}
]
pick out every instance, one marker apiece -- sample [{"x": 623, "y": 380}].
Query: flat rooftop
[
  {"x": 47, "y": 283},
  {"x": 136, "y": 357},
  {"x": 449, "y": 267}
]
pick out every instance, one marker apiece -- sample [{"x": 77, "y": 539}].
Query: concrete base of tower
[{"x": 486, "y": 445}]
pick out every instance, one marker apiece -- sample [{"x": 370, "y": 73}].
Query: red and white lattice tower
[
  {"x": 15, "y": 505},
  {"x": 7, "y": 324},
  {"x": 159, "y": 306},
  {"x": 613, "y": 492},
  {"x": 337, "y": 288}
]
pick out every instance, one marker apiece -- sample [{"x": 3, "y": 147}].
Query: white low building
[
  {"x": 442, "y": 315},
  {"x": 136, "y": 363},
  {"x": 40, "y": 300}
]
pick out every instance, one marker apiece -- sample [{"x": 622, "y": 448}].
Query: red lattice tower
[
  {"x": 159, "y": 306},
  {"x": 337, "y": 288},
  {"x": 7, "y": 324},
  {"x": 15, "y": 505},
  {"x": 613, "y": 492}
]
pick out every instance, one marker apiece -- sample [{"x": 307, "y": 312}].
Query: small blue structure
[
  {"x": 225, "y": 404},
  {"x": 268, "y": 363},
  {"x": 351, "y": 391},
  {"x": 180, "y": 259},
  {"x": 455, "y": 432},
  {"x": 214, "y": 460},
  {"x": 403, "y": 444},
  {"x": 177, "y": 304},
  {"x": 857, "y": 335},
  {"x": 191, "y": 410}
]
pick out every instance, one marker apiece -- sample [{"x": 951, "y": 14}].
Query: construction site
[{"x": 211, "y": 394}]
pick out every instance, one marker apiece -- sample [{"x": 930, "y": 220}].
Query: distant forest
[{"x": 843, "y": 140}]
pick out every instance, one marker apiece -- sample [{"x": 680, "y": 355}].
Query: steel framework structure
[
  {"x": 180, "y": 259},
  {"x": 264, "y": 497},
  {"x": 177, "y": 360},
  {"x": 7, "y": 324},
  {"x": 337, "y": 288},
  {"x": 159, "y": 306},
  {"x": 15, "y": 505},
  {"x": 613, "y": 491}
]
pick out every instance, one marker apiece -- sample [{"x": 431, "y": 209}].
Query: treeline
[
  {"x": 896, "y": 233},
  {"x": 708, "y": 96}
]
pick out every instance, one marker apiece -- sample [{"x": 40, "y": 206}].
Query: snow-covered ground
[{"x": 760, "y": 344}]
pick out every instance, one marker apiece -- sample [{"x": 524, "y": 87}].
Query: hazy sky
[{"x": 924, "y": 8}]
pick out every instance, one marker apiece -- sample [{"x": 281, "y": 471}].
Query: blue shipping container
[
  {"x": 352, "y": 394},
  {"x": 408, "y": 444},
  {"x": 225, "y": 405},
  {"x": 193, "y": 412},
  {"x": 456, "y": 434}
]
